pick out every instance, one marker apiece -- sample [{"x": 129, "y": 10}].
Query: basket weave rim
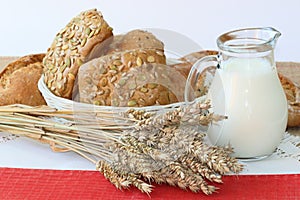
[{"x": 49, "y": 95}]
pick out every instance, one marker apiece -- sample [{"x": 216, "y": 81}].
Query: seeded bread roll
[
  {"x": 124, "y": 79},
  {"x": 77, "y": 43},
  {"x": 135, "y": 39},
  {"x": 18, "y": 81}
]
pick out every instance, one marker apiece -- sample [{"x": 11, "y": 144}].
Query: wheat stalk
[{"x": 132, "y": 147}]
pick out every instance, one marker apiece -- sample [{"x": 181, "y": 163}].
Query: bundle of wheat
[{"x": 132, "y": 146}]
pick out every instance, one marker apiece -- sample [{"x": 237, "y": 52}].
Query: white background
[{"x": 30, "y": 26}]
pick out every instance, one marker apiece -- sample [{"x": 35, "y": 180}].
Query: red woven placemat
[{"x": 75, "y": 184}]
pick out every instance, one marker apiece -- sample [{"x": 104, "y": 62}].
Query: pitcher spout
[{"x": 273, "y": 35}]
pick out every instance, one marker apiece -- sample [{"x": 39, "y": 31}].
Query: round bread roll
[
  {"x": 150, "y": 84},
  {"x": 139, "y": 39},
  {"x": 18, "y": 81},
  {"x": 185, "y": 64},
  {"x": 115, "y": 79},
  {"x": 77, "y": 43},
  {"x": 135, "y": 39}
]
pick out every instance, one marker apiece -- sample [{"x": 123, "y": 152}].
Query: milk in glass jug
[{"x": 247, "y": 90}]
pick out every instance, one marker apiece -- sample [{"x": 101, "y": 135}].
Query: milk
[{"x": 249, "y": 92}]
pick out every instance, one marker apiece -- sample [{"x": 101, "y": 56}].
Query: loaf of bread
[
  {"x": 80, "y": 41},
  {"x": 129, "y": 78},
  {"x": 18, "y": 81}
]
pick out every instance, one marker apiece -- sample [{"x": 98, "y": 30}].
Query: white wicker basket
[{"x": 67, "y": 104}]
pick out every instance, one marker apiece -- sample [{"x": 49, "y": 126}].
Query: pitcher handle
[{"x": 195, "y": 73}]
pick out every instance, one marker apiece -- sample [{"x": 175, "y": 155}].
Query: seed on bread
[
  {"x": 150, "y": 59},
  {"x": 139, "y": 61}
]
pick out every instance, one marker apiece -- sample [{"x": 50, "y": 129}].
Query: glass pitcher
[{"x": 247, "y": 90}]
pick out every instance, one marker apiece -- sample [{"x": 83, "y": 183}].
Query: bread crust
[
  {"x": 71, "y": 48},
  {"x": 134, "y": 39},
  {"x": 140, "y": 39},
  {"x": 18, "y": 81}
]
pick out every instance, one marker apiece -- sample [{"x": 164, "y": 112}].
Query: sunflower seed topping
[
  {"x": 139, "y": 61},
  {"x": 150, "y": 59},
  {"x": 132, "y": 103}
]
